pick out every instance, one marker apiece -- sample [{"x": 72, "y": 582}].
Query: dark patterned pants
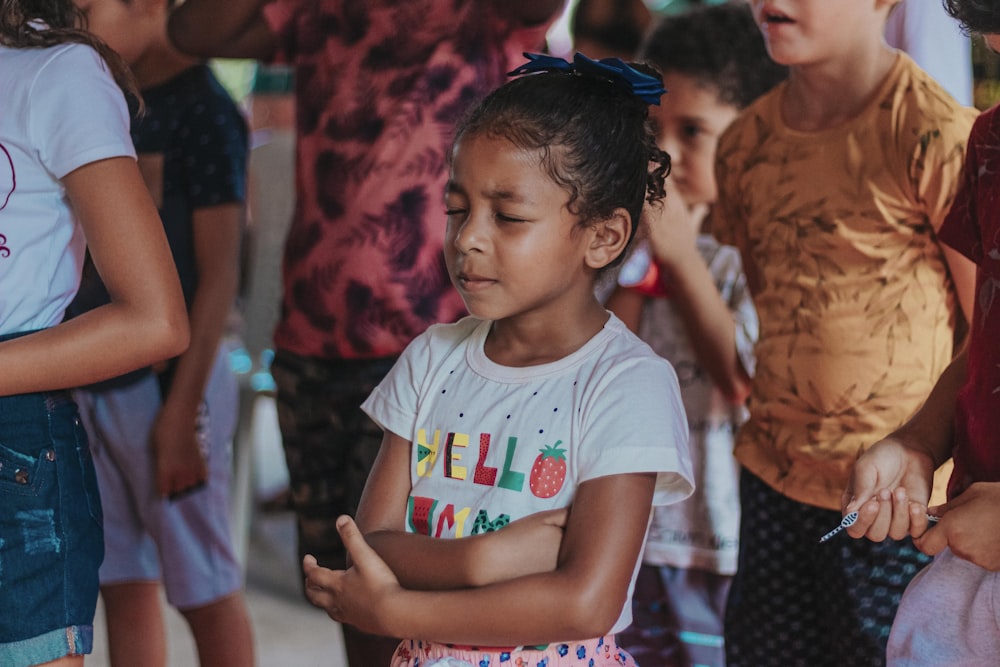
[
  {"x": 329, "y": 443},
  {"x": 797, "y": 603}
]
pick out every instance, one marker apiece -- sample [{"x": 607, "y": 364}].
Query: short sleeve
[
  {"x": 76, "y": 78},
  {"x": 214, "y": 144},
  {"x": 635, "y": 422},
  {"x": 936, "y": 163},
  {"x": 961, "y": 228},
  {"x": 394, "y": 403}
]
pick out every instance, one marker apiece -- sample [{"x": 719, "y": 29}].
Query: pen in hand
[{"x": 849, "y": 520}]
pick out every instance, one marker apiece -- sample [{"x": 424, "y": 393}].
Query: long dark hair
[{"x": 63, "y": 22}]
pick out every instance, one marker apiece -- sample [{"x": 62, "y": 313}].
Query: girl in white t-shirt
[
  {"x": 67, "y": 173},
  {"x": 539, "y": 429}
]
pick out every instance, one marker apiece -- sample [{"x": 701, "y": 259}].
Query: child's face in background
[
  {"x": 123, "y": 26},
  {"x": 688, "y": 123},
  {"x": 993, "y": 41},
  {"x": 806, "y": 32},
  {"x": 512, "y": 246}
]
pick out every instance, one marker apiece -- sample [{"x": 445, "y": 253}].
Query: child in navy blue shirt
[{"x": 162, "y": 437}]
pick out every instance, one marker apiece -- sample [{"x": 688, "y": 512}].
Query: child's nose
[{"x": 469, "y": 233}]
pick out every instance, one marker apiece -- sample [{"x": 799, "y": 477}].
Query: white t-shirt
[
  {"x": 61, "y": 110},
  {"x": 492, "y": 444}
]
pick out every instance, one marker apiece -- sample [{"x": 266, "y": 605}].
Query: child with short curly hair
[{"x": 539, "y": 430}]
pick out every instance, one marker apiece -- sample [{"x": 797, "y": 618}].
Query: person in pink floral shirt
[{"x": 379, "y": 87}]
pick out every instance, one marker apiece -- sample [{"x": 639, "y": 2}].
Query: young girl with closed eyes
[{"x": 539, "y": 430}]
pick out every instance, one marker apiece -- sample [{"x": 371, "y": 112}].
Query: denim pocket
[{"x": 24, "y": 474}]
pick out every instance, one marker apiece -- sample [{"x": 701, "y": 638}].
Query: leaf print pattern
[
  {"x": 379, "y": 85},
  {"x": 856, "y": 304}
]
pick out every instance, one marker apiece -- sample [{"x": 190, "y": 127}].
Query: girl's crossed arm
[
  {"x": 487, "y": 590},
  {"x": 422, "y": 562}
]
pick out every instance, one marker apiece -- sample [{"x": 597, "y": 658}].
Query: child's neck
[
  {"x": 531, "y": 341},
  {"x": 159, "y": 64},
  {"x": 826, "y": 95}
]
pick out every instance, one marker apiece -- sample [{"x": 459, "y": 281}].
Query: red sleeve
[{"x": 960, "y": 229}]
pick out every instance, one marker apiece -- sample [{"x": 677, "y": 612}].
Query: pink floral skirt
[{"x": 601, "y": 652}]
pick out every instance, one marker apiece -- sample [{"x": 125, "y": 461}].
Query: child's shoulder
[
  {"x": 622, "y": 351},
  {"x": 62, "y": 62},
  {"x": 443, "y": 337},
  {"x": 45, "y": 86},
  {"x": 917, "y": 100}
]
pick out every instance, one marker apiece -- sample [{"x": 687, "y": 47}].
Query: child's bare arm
[
  {"x": 673, "y": 230},
  {"x": 180, "y": 465},
  {"x": 890, "y": 484},
  {"x": 963, "y": 274},
  {"x": 422, "y": 562},
  {"x": 582, "y": 598}
]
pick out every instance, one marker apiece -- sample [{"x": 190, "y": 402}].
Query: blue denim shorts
[{"x": 51, "y": 536}]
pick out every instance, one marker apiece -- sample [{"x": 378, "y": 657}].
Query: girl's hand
[
  {"x": 969, "y": 526},
  {"x": 359, "y": 595},
  {"x": 889, "y": 489}
]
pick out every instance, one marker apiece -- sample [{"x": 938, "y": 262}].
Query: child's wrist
[{"x": 918, "y": 443}]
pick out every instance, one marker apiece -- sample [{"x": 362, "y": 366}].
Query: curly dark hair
[
  {"x": 719, "y": 46},
  {"x": 595, "y": 138},
  {"x": 60, "y": 22},
  {"x": 979, "y": 16}
]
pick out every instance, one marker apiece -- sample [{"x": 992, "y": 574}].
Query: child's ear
[{"x": 609, "y": 239}]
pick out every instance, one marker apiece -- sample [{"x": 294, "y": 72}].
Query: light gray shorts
[
  {"x": 949, "y": 615},
  {"x": 185, "y": 543}
]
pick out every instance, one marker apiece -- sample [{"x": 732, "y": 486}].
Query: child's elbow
[
  {"x": 172, "y": 335},
  {"x": 593, "y": 611}
]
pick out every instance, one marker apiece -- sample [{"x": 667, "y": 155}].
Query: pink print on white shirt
[{"x": 8, "y": 182}]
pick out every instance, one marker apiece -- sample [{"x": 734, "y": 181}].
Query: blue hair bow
[{"x": 647, "y": 88}]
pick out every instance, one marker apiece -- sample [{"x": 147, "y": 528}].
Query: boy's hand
[
  {"x": 969, "y": 526},
  {"x": 359, "y": 594},
  {"x": 180, "y": 463},
  {"x": 889, "y": 488},
  {"x": 673, "y": 227}
]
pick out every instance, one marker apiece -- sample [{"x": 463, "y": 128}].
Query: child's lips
[
  {"x": 771, "y": 15},
  {"x": 473, "y": 282}
]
